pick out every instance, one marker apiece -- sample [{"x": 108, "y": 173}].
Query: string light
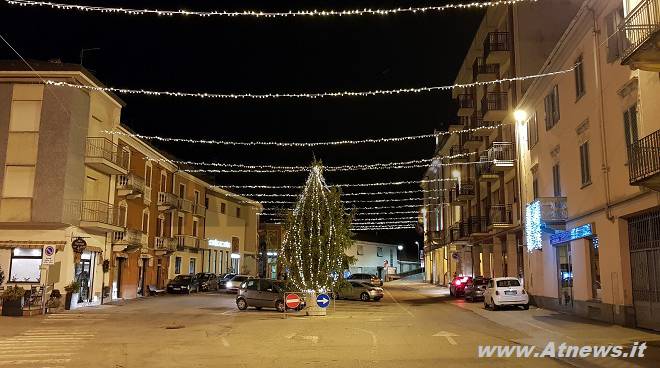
[
  {"x": 265, "y": 14},
  {"x": 343, "y": 194},
  {"x": 257, "y": 186},
  {"x": 370, "y": 208},
  {"x": 299, "y": 144},
  {"x": 373, "y": 228},
  {"x": 377, "y": 92}
]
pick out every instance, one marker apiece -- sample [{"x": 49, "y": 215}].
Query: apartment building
[
  {"x": 473, "y": 219},
  {"x": 590, "y": 168},
  {"x": 58, "y": 177},
  {"x": 232, "y": 223},
  {"x": 140, "y": 253}
]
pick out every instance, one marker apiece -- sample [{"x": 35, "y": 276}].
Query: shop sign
[
  {"x": 584, "y": 231},
  {"x": 79, "y": 244}
]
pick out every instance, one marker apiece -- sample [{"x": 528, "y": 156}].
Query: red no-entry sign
[{"x": 292, "y": 301}]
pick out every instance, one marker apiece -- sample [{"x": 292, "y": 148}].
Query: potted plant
[
  {"x": 12, "y": 301},
  {"x": 70, "y": 289}
]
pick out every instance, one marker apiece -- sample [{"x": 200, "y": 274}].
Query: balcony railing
[
  {"x": 130, "y": 237},
  {"x": 465, "y": 101},
  {"x": 644, "y": 157},
  {"x": 198, "y": 210},
  {"x": 480, "y": 67},
  {"x": 501, "y": 215},
  {"x": 497, "y": 41},
  {"x": 105, "y": 149},
  {"x": 92, "y": 213},
  {"x": 492, "y": 102},
  {"x": 130, "y": 183},
  {"x": 640, "y": 25},
  {"x": 553, "y": 209},
  {"x": 466, "y": 190},
  {"x": 187, "y": 241},
  {"x": 502, "y": 154},
  {"x": 165, "y": 243},
  {"x": 167, "y": 200}
]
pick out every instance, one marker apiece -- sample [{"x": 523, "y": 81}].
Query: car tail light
[
  {"x": 457, "y": 282},
  {"x": 465, "y": 278},
  {"x": 497, "y": 292}
]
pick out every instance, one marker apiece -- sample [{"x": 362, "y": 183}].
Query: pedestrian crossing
[{"x": 54, "y": 345}]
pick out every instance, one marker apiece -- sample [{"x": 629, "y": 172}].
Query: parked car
[
  {"x": 263, "y": 293},
  {"x": 503, "y": 291},
  {"x": 457, "y": 286},
  {"x": 183, "y": 284},
  {"x": 366, "y": 277},
  {"x": 474, "y": 289},
  {"x": 222, "y": 280},
  {"x": 364, "y": 291},
  {"x": 234, "y": 284},
  {"x": 207, "y": 281}
]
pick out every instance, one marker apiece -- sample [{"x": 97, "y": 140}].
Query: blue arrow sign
[{"x": 323, "y": 300}]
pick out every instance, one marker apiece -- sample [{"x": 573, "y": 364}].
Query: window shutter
[
  {"x": 626, "y": 127},
  {"x": 555, "y": 103},
  {"x": 633, "y": 124},
  {"x": 612, "y": 42},
  {"x": 548, "y": 112}
]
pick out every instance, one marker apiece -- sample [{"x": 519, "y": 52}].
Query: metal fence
[
  {"x": 640, "y": 24},
  {"x": 644, "y": 157},
  {"x": 99, "y": 147}
]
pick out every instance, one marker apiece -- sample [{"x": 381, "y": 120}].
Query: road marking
[
  {"x": 290, "y": 336},
  {"x": 34, "y": 361},
  {"x": 225, "y": 343},
  {"x": 399, "y": 304},
  {"x": 448, "y": 335},
  {"x": 229, "y": 312},
  {"x": 314, "y": 339},
  {"x": 374, "y": 339},
  {"x": 35, "y": 355}
]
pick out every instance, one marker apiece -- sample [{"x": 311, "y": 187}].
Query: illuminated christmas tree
[{"x": 316, "y": 235}]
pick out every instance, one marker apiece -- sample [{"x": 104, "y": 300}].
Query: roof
[{"x": 50, "y": 66}]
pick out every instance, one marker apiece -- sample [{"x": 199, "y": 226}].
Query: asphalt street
[{"x": 415, "y": 325}]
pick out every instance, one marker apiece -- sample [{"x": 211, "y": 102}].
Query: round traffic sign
[
  {"x": 49, "y": 250},
  {"x": 292, "y": 301},
  {"x": 323, "y": 300}
]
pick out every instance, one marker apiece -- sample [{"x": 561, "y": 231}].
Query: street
[{"x": 415, "y": 325}]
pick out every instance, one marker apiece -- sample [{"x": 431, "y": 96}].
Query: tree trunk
[{"x": 311, "y": 308}]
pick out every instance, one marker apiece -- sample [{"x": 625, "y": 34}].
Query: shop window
[
  {"x": 25, "y": 265},
  {"x": 594, "y": 256},
  {"x": 177, "y": 265}
]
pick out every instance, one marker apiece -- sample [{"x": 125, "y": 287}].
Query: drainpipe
[{"x": 601, "y": 109}]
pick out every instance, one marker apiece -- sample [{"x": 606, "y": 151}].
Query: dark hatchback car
[
  {"x": 222, "y": 280},
  {"x": 185, "y": 284},
  {"x": 207, "y": 281},
  {"x": 365, "y": 277},
  {"x": 457, "y": 287},
  {"x": 474, "y": 289},
  {"x": 263, "y": 293}
]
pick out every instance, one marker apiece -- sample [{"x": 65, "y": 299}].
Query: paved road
[{"x": 415, "y": 325}]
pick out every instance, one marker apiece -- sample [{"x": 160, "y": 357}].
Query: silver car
[
  {"x": 364, "y": 291},
  {"x": 262, "y": 293}
]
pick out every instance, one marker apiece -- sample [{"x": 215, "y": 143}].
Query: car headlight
[
  {"x": 184, "y": 286},
  {"x": 228, "y": 284}
]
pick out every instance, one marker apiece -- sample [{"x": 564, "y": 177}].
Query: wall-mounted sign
[
  {"x": 49, "y": 255},
  {"x": 579, "y": 232},
  {"x": 79, "y": 244},
  {"x": 219, "y": 243}
]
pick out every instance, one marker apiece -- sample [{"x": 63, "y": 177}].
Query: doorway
[
  {"x": 120, "y": 269},
  {"x": 565, "y": 276},
  {"x": 142, "y": 279},
  {"x": 644, "y": 239}
]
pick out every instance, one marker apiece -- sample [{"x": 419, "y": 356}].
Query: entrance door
[
  {"x": 158, "y": 271},
  {"x": 83, "y": 276},
  {"x": 644, "y": 237},
  {"x": 565, "y": 276},
  {"x": 143, "y": 277},
  {"x": 120, "y": 271}
]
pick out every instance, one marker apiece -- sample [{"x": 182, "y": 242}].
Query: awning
[{"x": 32, "y": 244}]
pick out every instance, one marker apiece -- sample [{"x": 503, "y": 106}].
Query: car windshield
[
  {"x": 281, "y": 287},
  {"x": 368, "y": 284},
  {"x": 507, "y": 283},
  {"x": 203, "y": 277},
  {"x": 229, "y": 276},
  {"x": 239, "y": 278},
  {"x": 183, "y": 278},
  {"x": 480, "y": 281}
]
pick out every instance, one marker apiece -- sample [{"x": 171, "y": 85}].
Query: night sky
[{"x": 239, "y": 55}]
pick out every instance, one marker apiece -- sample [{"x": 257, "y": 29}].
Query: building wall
[{"x": 369, "y": 261}]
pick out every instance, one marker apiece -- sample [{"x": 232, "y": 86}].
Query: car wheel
[
  {"x": 364, "y": 297},
  {"x": 279, "y": 305},
  {"x": 451, "y": 293},
  {"x": 493, "y": 305},
  {"x": 241, "y": 304},
  {"x": 485, "y": 305},
  {"x": 188, "y": 291},
  {"x": 469, "y": 299},
  {"x": 526, "y": 306},
  {"x": 377, "y": 299}
]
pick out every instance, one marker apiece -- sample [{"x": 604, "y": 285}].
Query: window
[
  {"x": 123, "y": 212},
  {"x": 252, "y": 284},
  {"x": 195, "y": 226},
  {"x": 18, "y": 182},
  {"x": 556, "y": 182},
  {"x": 163, "y": 181},
  {"x": 160, "y": 225},
  {"x": 360, "y": 250},
  {"x": 552, "y": 108},
  {"x": 197, "y": 197},
  {"x": 191, "y": 268},
  {"x": 179, "y": 225},
  {"x": 182, "y": 190},
  {"x": 533, "y": 131},
  {"x": 579, "y": 78},
  {"x": 147, "y": 175},
  {"x": 595, "y": 268},
  {"x": 238, "y": 212},
  {"x": 177, "y": 265},
  {"x": 25, "y": 116},
  {"x": 25, "y": 265},
  {"x": 616, "y": 44},
  {"x": 223, "y": 207},
  {"x": 535, "y": 187},
  {"x": 379, "y": 251},
  {"x": 145, "y": 221},
  {"x": 630, "y": 127},
  {"x": 584, "y": 164}
]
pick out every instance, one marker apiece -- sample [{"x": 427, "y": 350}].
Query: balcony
[
  {"x": 185, "y": 205},
  {"x": 162, "y": 243},
  {"x": 497, "y": 47},
  {"x": 466, "y": 105},
  {"x": 105, "y": 156},
  {"x": 459, "y": 232},
  {"x": 130, "y": 185},
  {"x": 554, "y": 210},
  {"x": 495, "y": 106},
  {"x": 188, "y": 241},
  {"x": 478, "y": 225},
  {"x": 485, "y": 171},
  {"x": 93, "y": 215},
  {"x": 458, "y": 154},
  {"x": 471, "y": 141},
  {"x": 484, "y": 72},
  {"x": 501, "y": 215},
  {"x": 129, "y": 240},
  {"x": 484, "y": 128},
  {"x": 198, "y": 210},
  {"x": 644, "y": 162},
  {"x": 502, "y": 155},
  {"x": 466, "y": 191},
  {"x": 641, "y": 32},
  {"x": 167, "y": 201}
]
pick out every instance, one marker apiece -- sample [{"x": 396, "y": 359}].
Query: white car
[{"x": 502, "y": 291}]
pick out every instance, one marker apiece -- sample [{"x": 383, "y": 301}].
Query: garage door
[{"x": 644, "y": 234}]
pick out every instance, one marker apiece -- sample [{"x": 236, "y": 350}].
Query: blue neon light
[{"x": 579, "y": 232}]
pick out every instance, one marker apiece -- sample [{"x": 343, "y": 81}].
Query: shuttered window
[
  {"x": 584, "y": 164},
  {"x": 579, "y": 78},
  {"x": 533, "y": 131},
  {"x": 630, "y": 127},
  {"x": 556, "y": 181},
  {"x": 552, "y": 108}
]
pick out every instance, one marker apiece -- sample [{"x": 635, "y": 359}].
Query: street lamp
[
  {"x": 520, "y": 116},
  {"x": 400, "y": 247}
]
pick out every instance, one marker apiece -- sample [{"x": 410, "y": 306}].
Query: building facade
[
  {"x": 590, "y": 164},
  {"x": 373, "y": 257},
  {"x": 472, "y": 211}
]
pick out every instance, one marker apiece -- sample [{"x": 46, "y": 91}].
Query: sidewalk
[{"x": 539, "y": 326}]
